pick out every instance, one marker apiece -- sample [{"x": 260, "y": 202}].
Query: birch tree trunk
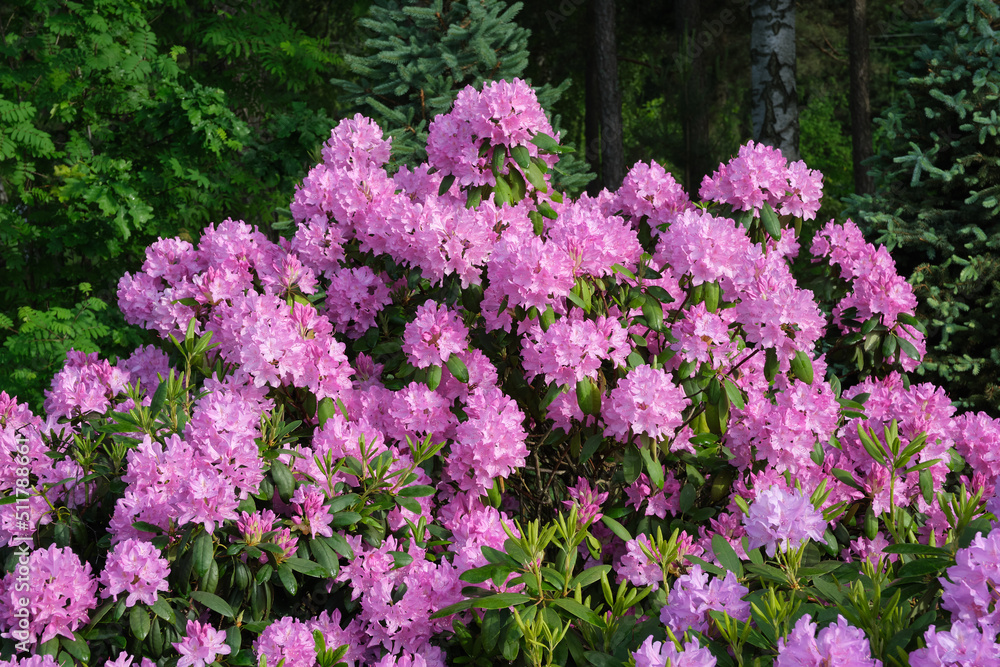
[{"x": 774, "y": 101}]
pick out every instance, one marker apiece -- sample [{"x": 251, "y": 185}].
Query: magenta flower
[
  {"x": 588, "y": 499},
  {"x": 964, "y": 644},
  {"x": 656, "y": 654},
  {"x": 645, "y": 401},
  {"x": 490, "y": 444},
  {"x": 971, "y": 585},
  {"x": 311, "y": 513},
  {"x": 126, "y": 660},
  {"x": 137, "y": 568},
  {"x": 201, "y": 646},
  {"x": 34, "y": 661},
  {"x": 838, "y": 644},
  {"x": 61, "y": 594},
  {"x": 693, "y": 595},
  {"x": 781, "y": 519},
  {"x": 434, "y": 335}
]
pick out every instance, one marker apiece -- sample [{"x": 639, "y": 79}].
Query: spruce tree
[
  {"x": 937, "y": 201},
  {"x": 419, "y": 55}
]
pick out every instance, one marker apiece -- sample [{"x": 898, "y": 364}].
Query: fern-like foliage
[{"x": 118, "y": 126}]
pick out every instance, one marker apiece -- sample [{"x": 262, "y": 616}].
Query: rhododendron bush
[{"x": 461, "y": 418}]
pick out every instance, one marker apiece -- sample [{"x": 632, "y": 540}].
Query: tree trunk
[
  {"x": 612, "y": 150},
  {"x": 592, "y": 107},
  {"x": 691, "y": 69},
  {"x": 861, "y": 118},
  {"x": 775, "y": 110}
]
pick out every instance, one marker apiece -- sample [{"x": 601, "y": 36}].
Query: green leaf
[
  {"x": 340, "y": 545},
  {"x": 632, "y": 464},
  {"x": 546, "y": 143},
  {"x": 802, "y": 367},
  {"x": 458, "y": 369},
  {"x": 616, "y": 528},
  {"x": 162, "y": 609},
  {"x": 589, "y": 576},
  {"x": 924, "y": 567},
  {"x": 847, "y": 478},
  {"x": 326, "y": 409},
  {"x": 920, "y": 549},
  {"x": 446, "y": 184},
  {"x": 283, "y": 480},
  {"x": 907, "y": 347},
  {"x": 416, "y": 491},
  {"x": 536, "y": 178},
  {"x": 727, "y": 556},
  {"x": 578, "y": 610},
  {"x": 202, "y": 555},
  {"x": 500, "y": 601},
  {"x": 306, "y": 567},
  {"x": 590, "y": 447},
  {"x": 78, "y": 648},
  {"x": 213, "y": 602},
  {"x": 735, "y": 394},
  {"x": 770, "y": 221},
  {"x": 521, "y": 156},
  {"x": 434, "y": 377},
  {"x": 138, "y": 620}
]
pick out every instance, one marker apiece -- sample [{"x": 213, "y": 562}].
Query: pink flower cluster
[
  {"x": 971, "y": 588},
  {"x": 503, "y": 115},
  {"x": 61, "y": 592},
  {"x": 836, "y": 644},
  {"x": 656, "y": 654},
  {"x": 760, "y": 174},
  {"x": 137, "y": 568},
  {"x": 780, "y": 519},
  {"x": 694, "y": 594},
  {"x": 645, "y": 402},
  {"x": 573, "y": 348},
  {"x": 876, "y": 288},
  {"x": 650, "y": 191}
]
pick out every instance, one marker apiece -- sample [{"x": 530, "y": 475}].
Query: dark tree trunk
[
  {"x": 692, "y": 69},
  {"x": 592, "y": 107},
  {"x": 612, "y": 150},
  {"x": 775, "y": 110},
  {"x": 861, "y": 118}
]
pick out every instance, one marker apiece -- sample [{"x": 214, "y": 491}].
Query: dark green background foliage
[
  {"x": 418, "y": 56},
  {"x": 124, "y": 122},
  {"x": 937, "y": 209}
]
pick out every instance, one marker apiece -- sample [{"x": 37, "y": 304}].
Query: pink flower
[
  {"x": 135, "y": 567},
  {"x": 490, "y": 444},
  {"x": 61, "y": 594},
  {"x": 838, "y": 644},
  {"x": 201, "y": 646},
  {"x": 781, "y": 519},
  {"x": 311, "y": 513},
  {"x": 645, "y": 401},
  {"x": 693, "y": 595},
  {"x": 963, "y": 644},
  {"x": 657, "y": 654},
  {"x": 648, "y": 190},
  {"x": 126, "y": 660},
  {"x": 503, "y": 115},
  {"x": 587, "y": 499},
  {"x": 972, "y": 586},
  {"x": 434, "y": 335},
  {"x": 760, "y": 174}
]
